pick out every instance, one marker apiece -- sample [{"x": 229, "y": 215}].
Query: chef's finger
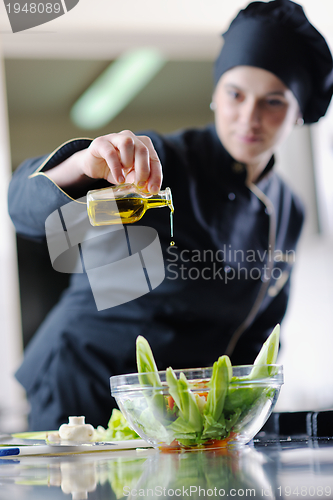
[
  {"x": 106, "y": 160},
  {"x": 154, "y": 180},
  {"x": 133, "y": 154},
  {"x": 124, "y": 141}
]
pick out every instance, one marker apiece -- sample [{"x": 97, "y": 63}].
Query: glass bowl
[{"x": 152, "y": 412}]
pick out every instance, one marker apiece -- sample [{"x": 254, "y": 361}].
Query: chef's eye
[
  {"x": 275, "y": 103},
  {"x": 234, "y": 94}
]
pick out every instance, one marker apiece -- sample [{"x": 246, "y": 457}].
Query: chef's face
[{"x": 254, "y": 113}]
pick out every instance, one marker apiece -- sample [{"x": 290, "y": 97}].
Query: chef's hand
[{"x": 118, "y": 158}]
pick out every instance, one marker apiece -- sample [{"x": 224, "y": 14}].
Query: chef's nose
[{"x": 251, "y": 113}]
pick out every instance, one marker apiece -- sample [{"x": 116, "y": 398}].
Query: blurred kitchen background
[{"x": 45, "y": 70}]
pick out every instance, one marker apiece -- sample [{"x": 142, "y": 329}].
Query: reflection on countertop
[{"x": 266, "y": 468}]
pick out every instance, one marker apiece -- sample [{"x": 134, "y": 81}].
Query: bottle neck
[
  {"x": 161, "y": 199},
  {"x": 164, "y": 196}
]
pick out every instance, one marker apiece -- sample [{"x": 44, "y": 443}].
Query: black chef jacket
[{"x": 226, "y": 284}]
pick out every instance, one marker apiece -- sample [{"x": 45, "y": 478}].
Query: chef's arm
[
  {"x": 33, "y": 195},
  {"x": 116, "y": 158}
]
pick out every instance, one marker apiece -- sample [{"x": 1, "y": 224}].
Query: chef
[{"x": 237, "y": 223}]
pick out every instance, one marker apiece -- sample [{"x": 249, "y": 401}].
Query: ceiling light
[{"x": 116, "y": 87}]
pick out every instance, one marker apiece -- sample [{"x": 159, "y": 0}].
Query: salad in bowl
[{"x": 213, "y": 407}]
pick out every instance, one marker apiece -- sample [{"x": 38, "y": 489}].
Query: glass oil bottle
[{"x": 124, "y": 204}]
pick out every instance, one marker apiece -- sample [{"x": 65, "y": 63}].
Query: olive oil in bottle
[{"x": 124, "y": 204}]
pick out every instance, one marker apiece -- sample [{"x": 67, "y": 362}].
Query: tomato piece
[
  {"x": 220, "y": 443},
  {"x": 171, "y": 402},
  {"x": 169, "y": 448}
]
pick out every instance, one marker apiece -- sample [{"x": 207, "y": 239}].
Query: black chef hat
[{"x": 278, "y": 37}]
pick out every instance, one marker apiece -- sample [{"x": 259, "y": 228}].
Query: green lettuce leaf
[
  {"x": 267, "y": 356},
  {"x": 148, "y": 376},
  {"x": 118, "y": 429},
  {"x": 189, "y": 412},
  {"x": 218, "y": 384},
  {"x": 214, "y": 428}
]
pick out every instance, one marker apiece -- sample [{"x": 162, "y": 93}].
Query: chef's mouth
[{"x": 249, "y": 138}]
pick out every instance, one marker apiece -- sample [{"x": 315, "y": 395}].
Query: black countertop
[
  {"x": 292, "y": 457},
  {"x": 295, "y": 467}
]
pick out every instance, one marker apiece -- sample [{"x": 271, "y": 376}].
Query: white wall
[
  {"x": 11, "y": 396},
  {"x": 307, "y": 331}
]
